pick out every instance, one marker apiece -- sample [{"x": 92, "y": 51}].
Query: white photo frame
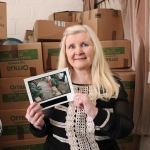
[{"x": 50, "y": 89}]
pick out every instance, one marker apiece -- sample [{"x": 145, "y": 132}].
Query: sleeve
[
  {"x": 41, "y": 133},
  {"x": 47, "y": 127},
  {"x": 117, "y": 124}
]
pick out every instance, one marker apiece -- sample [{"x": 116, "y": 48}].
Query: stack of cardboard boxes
[
  {"x": 51, "y": 35},
  {"x": 16, "y": 63}
]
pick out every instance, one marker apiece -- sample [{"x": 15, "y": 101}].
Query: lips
[{"x": 80, "y": 58}]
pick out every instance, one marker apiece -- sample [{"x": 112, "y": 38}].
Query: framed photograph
[{"x": 50, "y": 89}]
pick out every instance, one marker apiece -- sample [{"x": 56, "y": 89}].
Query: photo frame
[{"x": 50, "y": 89}]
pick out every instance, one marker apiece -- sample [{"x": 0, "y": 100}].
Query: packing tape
[
  {"x": 75, "y": 17},
  {"x": 126, "y": 63},
  {"x": 33, "y": 71},
  {"x": 114, "y": 33},
  {"x": 20, "y": 132},
  {"x": 81, "y": 17},
  {"x": 14, "y": 51},
  {"x": 115, "y": 13},
  {"x": 69, "y": 13},
  {"x": 90, "y": 14}
]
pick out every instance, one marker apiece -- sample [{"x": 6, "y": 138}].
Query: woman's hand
[
  {"x": 82, "y": 101},
  {"x": 35, "y": 115}
]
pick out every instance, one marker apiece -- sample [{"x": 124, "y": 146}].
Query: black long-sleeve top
[{"x": 70, "y": 128}]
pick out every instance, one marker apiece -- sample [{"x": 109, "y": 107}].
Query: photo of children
[{"x": 48, "y": 87}]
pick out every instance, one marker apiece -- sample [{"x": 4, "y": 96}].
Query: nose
[{"x": 78, "y": 51}]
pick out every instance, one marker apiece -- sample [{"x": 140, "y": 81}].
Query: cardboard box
[
  {"x": 28, "y": 38},
  {"x": 107, "y": 23},
  {"x": 47, "y": 30},
  {"x": 128, "y": 80},
  {"x": 50, "y": 55},
  {"x": 117, "y": 53},
  {"x": 3, "y": 21},
  {"x": 130, "y": 142},
  {"x": 62, "y": 16},
  {"x": 22, "y": 60},
  {"x": 77, "y": 17},
  {"x": 29, "y": 144},
  {"x": 13, "y": 93},
  {"x": 15, "y": 125}
]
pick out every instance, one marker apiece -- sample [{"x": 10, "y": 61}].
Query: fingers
[
  {"x": 79, "y": 100},
  {"x": 30, "y": 108},
  {"x": 37, "y": 119},
  {"x": 32, "y": 111}
]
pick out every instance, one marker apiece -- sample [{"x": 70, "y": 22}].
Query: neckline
[{"x": 80, "y": 84}]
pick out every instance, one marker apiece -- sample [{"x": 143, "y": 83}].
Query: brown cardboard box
[
  {"x": 130, "y": 142},
  {"x": 62, "y": 16},
  {"x": 128, "y": 80},
  {"x": 106, "y": 23},
  {"x": 29, "y": 144},
  {"x": 3, "y": 21},
  {"x": 77, "y": 17},
  {"x": 15, "y": 125},
  {"x": 46, "y": 71},
  {"x": 27, "y": 34},
  {"x": 29, "y": 38},
  {"x": 13, "y": 93},
  {"x": 50, "y": 55},
  {"x": 47, "y": 30},
  {"x": 117, "y": 53},
  {"x": 22, "y": 60}
]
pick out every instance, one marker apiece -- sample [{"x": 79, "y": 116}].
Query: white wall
[{"x": 21, "y": 14}]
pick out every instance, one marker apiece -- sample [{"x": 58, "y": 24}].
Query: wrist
[
  {"x": 94, "y": 112},
  {"x": 39, "y": 127}
]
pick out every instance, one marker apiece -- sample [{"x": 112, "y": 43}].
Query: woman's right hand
[{"x": 35, "y": 115}]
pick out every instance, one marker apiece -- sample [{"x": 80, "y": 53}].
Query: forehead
[{"x": 78, "y": 37}]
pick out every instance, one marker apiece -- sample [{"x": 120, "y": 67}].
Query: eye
[
  {"x": 84, "y": 45},
  {"x": 71, "y": 47}
]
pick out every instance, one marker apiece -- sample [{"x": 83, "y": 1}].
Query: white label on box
[
  {"x": 63, "y": 24},
  {"x": 60, "y": 23},
  {"x": 55, "y": 22}
]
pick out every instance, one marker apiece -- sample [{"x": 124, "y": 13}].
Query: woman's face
[{"x": 80, "y": 51}]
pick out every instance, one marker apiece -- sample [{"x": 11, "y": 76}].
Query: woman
[{"x": 98, "y": 114}]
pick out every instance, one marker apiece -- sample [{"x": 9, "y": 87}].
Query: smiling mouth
[{"x": 79, "y": 58}]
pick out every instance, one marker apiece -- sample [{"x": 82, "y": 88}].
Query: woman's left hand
[{"x": 82, "y": 101}]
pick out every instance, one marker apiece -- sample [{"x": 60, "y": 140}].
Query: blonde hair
[{"x": 102, "y": 79}]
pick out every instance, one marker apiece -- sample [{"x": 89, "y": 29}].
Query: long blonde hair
[{"x": 102, "y": 79}]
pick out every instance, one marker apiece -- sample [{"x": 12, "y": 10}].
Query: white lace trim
[
  {"x": 100, "y": 138},
  {"x": 109, "y": 109},
  {"x": 107, "y": 119},
  {"x": 105, "y": 122},
  {"x": 80, "y": 127},
  {"x": 56, "y": 123},
  {"x": 61, "y": 107},
  {"x": 64, "y": 140}
]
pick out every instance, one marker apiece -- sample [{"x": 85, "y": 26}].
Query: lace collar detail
[{"x": 79, "y": 126}]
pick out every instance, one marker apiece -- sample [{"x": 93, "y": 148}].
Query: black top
[{"x": 69, "y": 128}]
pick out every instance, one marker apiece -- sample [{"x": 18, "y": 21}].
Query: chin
[{"x": 82, "y": 67}]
